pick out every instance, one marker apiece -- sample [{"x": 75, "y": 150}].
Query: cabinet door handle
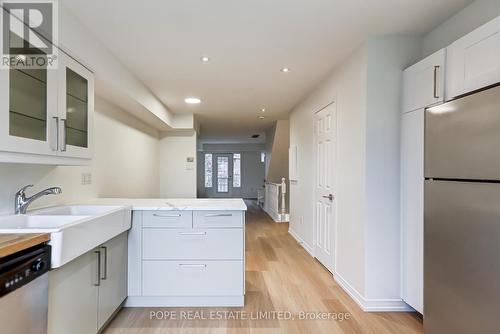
[
  {"x": 166, "y": 215},
  {"x": 55, "y": 134},
  {"x": 63, "y": 135},
  {"x": 436, "y": 68},
  {"x": 98, "y": 268},
  {"x": 193, "y": 233},
  {"x": 105, "y": 276},
  {"x": 219, "y": 215},
  {"x": 192, "y": 265}
]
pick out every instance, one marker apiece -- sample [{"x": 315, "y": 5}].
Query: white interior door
[
  {"x": 324, "y": 197},
  {"x": 223, "y": 174}
]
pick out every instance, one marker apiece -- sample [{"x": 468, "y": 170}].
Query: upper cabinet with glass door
[
  {"x": 28, "y": 104},
  {"x": 76, "y": 109},
  {"x": 46, "y": 114}
]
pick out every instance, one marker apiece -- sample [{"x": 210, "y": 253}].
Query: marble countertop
[{"x": 195, "y": 204}]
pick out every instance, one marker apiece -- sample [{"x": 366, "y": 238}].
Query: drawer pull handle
[
  {"x": 193, "y": 233},
  {"x": 165, "y": 215},
  {"x": 191, "y": 265},
  {"x": 219, "y": 215}
]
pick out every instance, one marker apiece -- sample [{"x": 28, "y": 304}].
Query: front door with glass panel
[{"x": 223, "y": 174}]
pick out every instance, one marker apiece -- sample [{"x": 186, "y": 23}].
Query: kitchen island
[{"x": 185, "y": 252}]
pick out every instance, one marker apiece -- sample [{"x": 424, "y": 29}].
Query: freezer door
[
  {"x": 461, "y": 258},
  {"x": 462, "y": 138}
]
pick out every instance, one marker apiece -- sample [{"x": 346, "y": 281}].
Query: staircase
[{"x": 275, "y": 201}]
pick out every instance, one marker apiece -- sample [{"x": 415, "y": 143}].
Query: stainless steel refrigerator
[{"x": 462, "y": 216}]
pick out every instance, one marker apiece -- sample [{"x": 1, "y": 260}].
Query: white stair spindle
[{"x": 283, "y": 196}]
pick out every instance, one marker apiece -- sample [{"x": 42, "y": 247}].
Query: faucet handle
[{"x": 23, "y": 189}]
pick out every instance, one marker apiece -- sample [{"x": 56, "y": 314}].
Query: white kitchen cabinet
[
  {"x": 46, "y": 114},
  {"x": 412, "y": 207},
  {"x": 423, "y": 86},
  {"x": 168, "y": 219},
  {"x": 473, "y": 60},
  {"x": 113, "y": 288},
  {"x": 171, "y": 244},
  {"x": 73, "y": 296},
  {"x": 86, "y": 292},
  {"x": 75, "y": 109},
  {"x": 193, "y": 278},
  {"x": 189, "y": 258},
  {"x": 28, "y": 111},
  {"x": 218, "y": 219},
  {"x": 423, "y": 83}
]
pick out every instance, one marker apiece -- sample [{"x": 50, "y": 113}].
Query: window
[
  {"x": 208, "y": 170},
  {"x": 262, "y": 156},
  {"x": 236, "y": 170}
]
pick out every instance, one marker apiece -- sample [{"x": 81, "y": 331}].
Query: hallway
[{"x": 280, "y": 276}]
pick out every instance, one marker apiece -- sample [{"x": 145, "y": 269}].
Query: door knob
[{"x": 330, "y": 197}]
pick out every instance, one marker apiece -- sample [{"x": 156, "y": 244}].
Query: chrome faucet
[{"x": 22, "y": 202}]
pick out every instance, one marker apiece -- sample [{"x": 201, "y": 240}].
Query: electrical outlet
[{"x": 86, "y": 179}]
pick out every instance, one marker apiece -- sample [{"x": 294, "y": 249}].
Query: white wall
[
  {"x": 113, "y": 80},
  {"x": 125, "y": 164},
  {"x": 126, "y": 161},
  {"x": 387, "y": 57},
  {"x": 366, "y": 91},
  {"x": 345, "y": 86},
  {"x": 277, "y": 145},
  {"x": 471, "y": 17},
  {"x": 177, "y": 176}
]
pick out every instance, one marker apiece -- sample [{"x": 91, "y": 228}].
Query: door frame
[
  {"x": 334, "y": 182},
  {"x": 212, "y": 191}
]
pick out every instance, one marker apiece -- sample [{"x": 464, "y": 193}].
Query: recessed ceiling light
[
  {"x": 192, "y": 100},
  {"x": 261, "y": 117},
  {"x": 263, "y": 109},
  {"x": 285, "y": 70},
  {"x": 205, "y": 59}
]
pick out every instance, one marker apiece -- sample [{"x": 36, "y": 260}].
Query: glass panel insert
[
  {"x": 223, "y": 174},
  {"x": 208, "y": 170},
  {"x": 76, "y": 109},
  {"x": 236, "y": 170},
  {"x": 27, "y": 99}
]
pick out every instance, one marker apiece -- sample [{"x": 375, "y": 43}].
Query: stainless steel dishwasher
[{"x": 24, "y": 285}]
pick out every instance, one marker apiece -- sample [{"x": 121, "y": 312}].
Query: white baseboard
[
  {"x": 301, "y": 242},
  {"x": 185, "y": 301},
  {"x": 366, "y": 304},
  {"x": 277, "y": 217},
  {"x": 372, "y": 305}
]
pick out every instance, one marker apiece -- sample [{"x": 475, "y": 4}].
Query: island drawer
[
  {"x": 175, "y": 244},
  {"x": 167, "y": 219},
  {"x": 193, "y": 278},
  {"x": 217, "y": 219}
]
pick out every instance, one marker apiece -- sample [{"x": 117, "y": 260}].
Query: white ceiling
[{"x": 161, "y": 42}]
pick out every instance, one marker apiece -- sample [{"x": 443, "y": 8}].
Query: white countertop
[{"x": 216, "y": 204}]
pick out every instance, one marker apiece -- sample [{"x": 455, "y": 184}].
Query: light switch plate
[{"x": 86, "y": 178}]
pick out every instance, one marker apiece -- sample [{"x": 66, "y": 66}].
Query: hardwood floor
[{"x": 280, "y": 276}]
